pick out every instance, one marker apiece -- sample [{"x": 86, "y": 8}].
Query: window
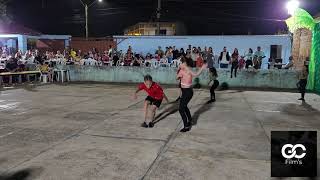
[
  {"x": 276, "y": 51},
  {"x": 163, "y": 32}
]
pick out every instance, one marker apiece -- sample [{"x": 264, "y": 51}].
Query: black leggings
[
  {"x": 213, "y": 87},
  {"x": 235, "y": 68},
  {"x": 184, "y": 111},
  {"x": 302, "y": 86}
]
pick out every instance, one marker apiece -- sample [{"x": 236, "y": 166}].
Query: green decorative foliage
[
  {"x": 315, "y": 57},
  {"x": 300, "y": 19}
]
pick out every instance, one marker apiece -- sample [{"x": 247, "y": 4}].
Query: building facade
[{"x": 150, "y": 29}]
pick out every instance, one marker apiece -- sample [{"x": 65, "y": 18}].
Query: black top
[{"x": 12, "y": 66}]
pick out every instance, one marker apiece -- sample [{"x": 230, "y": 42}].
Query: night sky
[{"x": 201, "y": 17}]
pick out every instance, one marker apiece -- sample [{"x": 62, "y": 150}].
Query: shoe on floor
[
  {"x": 211, "y": 101},
  {"x": 151, "y": 125},
  {"x": 301, "y": 99},
  {"x": 144, "y": 124},
  {"x": 185, "y": 129}
]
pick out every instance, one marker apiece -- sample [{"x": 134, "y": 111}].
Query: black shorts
[{"x": 153, "y": 101}]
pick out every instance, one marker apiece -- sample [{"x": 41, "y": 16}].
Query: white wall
[{"x": 149, "y": 44}]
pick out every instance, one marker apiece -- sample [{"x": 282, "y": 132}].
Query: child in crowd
[
  {"x": 213, "y": 75},
  {"x": 45, "y": 69},
  {"x": 154, "y": 99}
]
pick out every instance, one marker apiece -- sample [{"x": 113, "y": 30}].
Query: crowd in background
[{"x": 168, "y": 57}]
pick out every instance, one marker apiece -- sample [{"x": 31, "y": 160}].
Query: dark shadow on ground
[
  {"x": 25, "y": 174},
  {"x": 235, "y": 91},
  {"x": 309, "y": 108},
  {"x": 167, "y": 112},
  {"x": 304, "y": 109},
  {"x": 203, "y": 108}
]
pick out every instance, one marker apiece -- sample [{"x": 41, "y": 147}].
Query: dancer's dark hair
[
  {"x": 147, "y": 78},
  {"x": 213, "y": 70}
]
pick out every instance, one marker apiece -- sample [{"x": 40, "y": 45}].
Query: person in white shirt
[
  {"x": 59, "y": 55},
  {"x": 224, "y": 58},
  {"x": 259, "y": 61},
  {"x": 194, "y": 56}
]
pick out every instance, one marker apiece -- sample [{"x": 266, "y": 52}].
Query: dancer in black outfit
[
  {"x": 234, "y": 62},
  {"x": 186, "y": 75},
  {"x": 303, "y": 80},
  {"x": 213, "y": 75}
]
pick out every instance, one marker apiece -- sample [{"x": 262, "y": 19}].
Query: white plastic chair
[
  {"x": 118, "y": 63},
  {"x": 175, "y": 63},
  {"x": 44, "y": 78},
  {"x": 155, "y": 64}
]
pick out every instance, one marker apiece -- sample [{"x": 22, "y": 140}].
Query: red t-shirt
[{"x": 155, "y": 91}]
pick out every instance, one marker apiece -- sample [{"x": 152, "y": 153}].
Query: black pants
[
  {"x": 248, "y": 63},
  {"x": 302, "y": 87},
  {"x": 213, "y": 87},
  {"x": 234, "y": 67},
  {"x": 184, "y": 111}
]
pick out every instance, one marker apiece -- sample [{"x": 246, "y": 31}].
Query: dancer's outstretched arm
[
  {"x": 204, "y": 66},
  {"x": 135, "y": 93}
]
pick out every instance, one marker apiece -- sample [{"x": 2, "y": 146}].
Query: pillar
[
  {"x": 301, "y": 46},
  {"x": 23, "y": 43}
]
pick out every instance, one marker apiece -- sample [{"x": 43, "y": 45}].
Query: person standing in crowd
[
  {"x": 154, "y": 99},
  {"x": 190, "y": 47},
  {"x": 181, "y": 53},
  {"x": 303, "y": 80},
  {"x": 194, "y": 56},
  {"x": 224, "y": 58},
  {"x": 186, "y": 75},
  {"x": 167, "y": 49},
  {"x": 115, "y": 59},
  {"x": 199, "y": 50},
  {"x": 204, "y": 52},
  {"x": 213, "y": 75},
  {"x": 259, "y": 59},
  {"x": 199, "y": 62},
  {"x": 169, "y": 55},
  {"x": 209, "y": 58},
  {"x": 234, "y": 62},
  {"x": 37, "y": 57},
  {"x": 249, "y": 58},
  {"x": 175, "y": 52},
  {"x": 159, "y": 52}
]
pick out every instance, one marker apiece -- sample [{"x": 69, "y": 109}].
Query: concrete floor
[{"x": 91, "y": 131}]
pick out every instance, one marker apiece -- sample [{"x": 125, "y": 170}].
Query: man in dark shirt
[
  {"x": 175, "y": 53},
  {"x": 12, "y": 65},
  {"x": 115, "y": 59}
]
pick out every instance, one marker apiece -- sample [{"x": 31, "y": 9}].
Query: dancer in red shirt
[{"x": 154, "y": 99}]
